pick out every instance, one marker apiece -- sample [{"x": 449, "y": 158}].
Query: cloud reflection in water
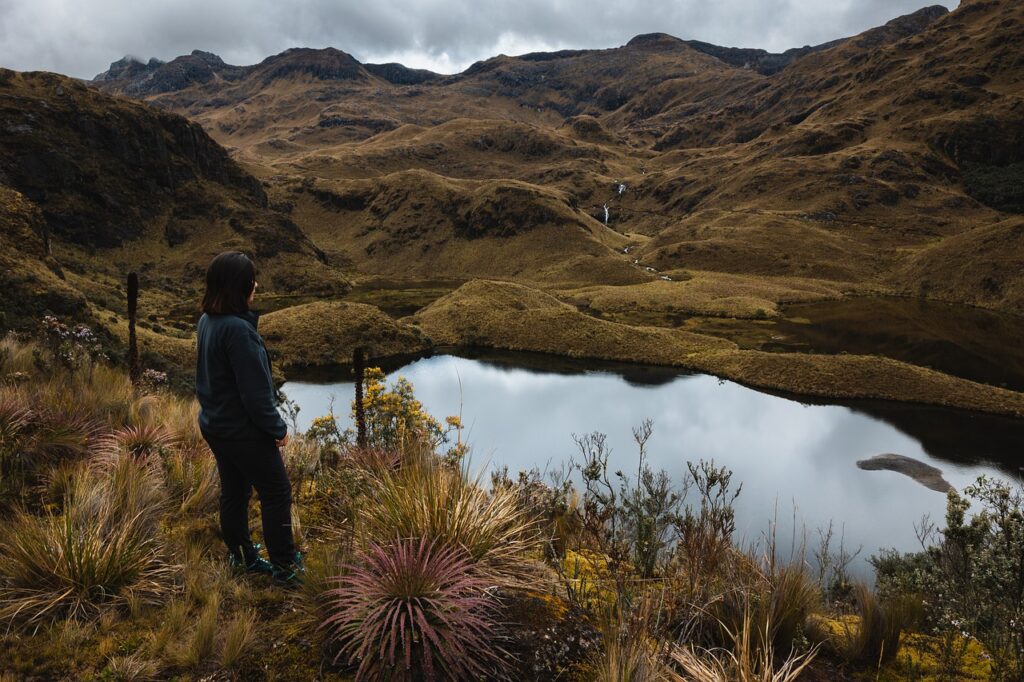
[{"x": 787, "y": 454}]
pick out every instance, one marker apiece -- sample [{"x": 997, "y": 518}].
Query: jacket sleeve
[{"x": 255, "y": 385}]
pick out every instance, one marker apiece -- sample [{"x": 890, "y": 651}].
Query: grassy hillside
[
  {"x": 849, "y": 163},
  {"x": 94, "y": 186}
]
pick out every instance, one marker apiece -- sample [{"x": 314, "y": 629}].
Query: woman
[{"x": 240, "y": 421}]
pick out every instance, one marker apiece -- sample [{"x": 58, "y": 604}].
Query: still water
[{"x": 796, "y": 461}]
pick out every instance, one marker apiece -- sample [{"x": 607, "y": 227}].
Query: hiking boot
[
  {"x": 290, "y": 574},
  {"x": 252, "y": 561}
]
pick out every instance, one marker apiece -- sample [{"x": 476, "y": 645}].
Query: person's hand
[{"x": 284, "y": 441}]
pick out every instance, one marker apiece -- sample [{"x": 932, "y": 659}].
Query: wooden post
[
  {"x": 359, "y": 369},
  {"x": 134, "y": 371}
]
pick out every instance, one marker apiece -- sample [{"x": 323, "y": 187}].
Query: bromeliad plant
[{"x": 414, "y": 609}]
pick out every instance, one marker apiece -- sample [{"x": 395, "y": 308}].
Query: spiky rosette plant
[{"x": 414, "y": 609}]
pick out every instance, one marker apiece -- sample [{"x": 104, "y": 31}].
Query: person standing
[{"x": 240, "y": 422}]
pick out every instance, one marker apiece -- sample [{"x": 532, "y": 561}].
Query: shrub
[
  {"x": 971, "y": 575},
  {"x": 395, "y": 420},
  {"x": 414, "y": 609},
  {"x": 630, "y": 521}
]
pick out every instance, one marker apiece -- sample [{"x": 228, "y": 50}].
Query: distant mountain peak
[{"x": 654, "y": 40}]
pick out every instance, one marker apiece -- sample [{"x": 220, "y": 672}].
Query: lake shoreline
[{"x": 812, "y": 377}]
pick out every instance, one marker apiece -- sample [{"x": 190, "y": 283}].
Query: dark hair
[{"x": 229, "y": 281}]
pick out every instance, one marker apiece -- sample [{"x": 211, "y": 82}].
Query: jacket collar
[{"x": 252, "y": 317}]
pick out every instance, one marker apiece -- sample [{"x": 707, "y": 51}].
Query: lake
[{"x": 796, "y": 460}]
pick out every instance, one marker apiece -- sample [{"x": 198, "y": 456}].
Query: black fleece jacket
[{"x": 234, "y": 384}]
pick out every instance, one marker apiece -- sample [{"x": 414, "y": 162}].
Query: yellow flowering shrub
[{"x": 587, "y": 575}]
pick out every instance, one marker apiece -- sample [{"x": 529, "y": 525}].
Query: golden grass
[
  {"x": 514, "y": 317},
  {"x": 857, "y": 376},
  {"x": 424, "y": 499},
  {"x": 746, "y": 662},
  {"x": 327, "y": 332},
  {"x": 102, "y": 546},
  {"x": 983, "y": 267},
  {"x": 705, "y": 293},
  {"x": 239, "y": 637}
]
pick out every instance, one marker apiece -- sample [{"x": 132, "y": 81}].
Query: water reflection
[
  {"x": 968, "y": 342},
  {"x": 794, "y": 459}
]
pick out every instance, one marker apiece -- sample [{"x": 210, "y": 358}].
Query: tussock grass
[
  {"x": 132, "y": 668},
  {"x": 705, "y": 293},
  {"x": 99, "y": 548},
  {"x": 515, "y": 317},
  {"x": 202, "y": 643},
  {"x": 745, "y": 662},
  {"x": 239, "y": 637},
  {"x": 327, "y": 332},
  {"x": 629, "y": 660},
  {"x": 873, "y": 635},
  {"x": 192, "y": 481},
  {"x": 511, "y": 316},
  {"x": 425, "y": 499},
  {"x": 173, "y": 623}
]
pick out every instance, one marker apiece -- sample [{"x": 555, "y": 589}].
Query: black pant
[{"x": 244, "y": 465}]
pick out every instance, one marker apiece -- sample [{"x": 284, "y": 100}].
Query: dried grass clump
[
  {"x": 101, "y": 548},
  {"x": 752, "y": 658},
  {"x": 425, "y": 499},
  {"x": 192, "y": 481},
  {"x": 144, "y": 440}
]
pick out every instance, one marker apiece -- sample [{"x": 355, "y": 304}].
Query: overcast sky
[{"x": 81, "y": 37}]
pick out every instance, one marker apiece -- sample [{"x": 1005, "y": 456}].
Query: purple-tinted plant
[
  {"x": 71, "y": 347},
  {"x": 414, "y": 609}
]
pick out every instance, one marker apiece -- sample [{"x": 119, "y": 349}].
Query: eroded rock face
[{"x": 925, "y": 474}]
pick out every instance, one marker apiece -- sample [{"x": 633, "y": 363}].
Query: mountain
[
  {"x": 864, "y": 163},
  {"x": 93, "y": 186}
]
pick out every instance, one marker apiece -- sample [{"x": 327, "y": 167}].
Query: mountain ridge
[
  {"x": 845, "y": 164},
  {"x": 762, "y": 60}
]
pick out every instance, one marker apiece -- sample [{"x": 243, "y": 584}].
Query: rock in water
[{"x": 925, "y": 474}]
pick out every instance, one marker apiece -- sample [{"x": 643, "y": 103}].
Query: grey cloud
[{"x": 59, "y": 35}]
